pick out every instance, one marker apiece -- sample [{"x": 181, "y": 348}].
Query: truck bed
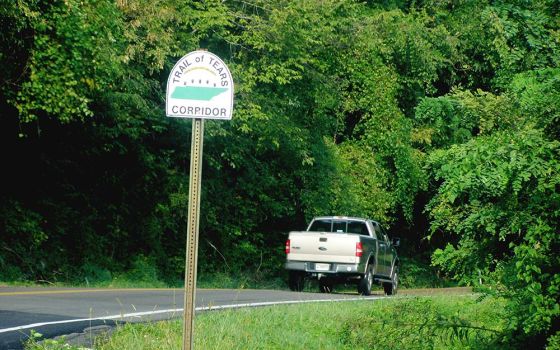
[{"x": 326, "y": 247}]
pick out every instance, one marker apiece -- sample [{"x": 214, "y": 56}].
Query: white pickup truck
[{"x": 337, "y": 249}]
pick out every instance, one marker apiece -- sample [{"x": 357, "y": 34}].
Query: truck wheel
[
  {"x": 295, "y": 281},
  {"x": 325, "y": 286},
  {"x": 390, "y": 288},
  {"x": 364, "y": 287}
]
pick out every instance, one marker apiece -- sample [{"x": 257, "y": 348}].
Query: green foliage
[
  {"x": 97, "y": 87},
  {"x": 496, "y": 40},
  {"x": 94, "y": 274},
  {"x": 538, "y": 93},
  {"x": 553, "y": 342},
  {"x": 424, "y": 324},
  {"x": 525, "y": 31},
  {"x": 499, "y": 195},
  {"x": 418, "y": 50},
  {"x": 23, "y": 236},
  {"x": 461, "y": 115},
  {"x": 417, "y": 273},
  {"x": 143, "y": 272},
  {"x": 73, "y": 57},
  {"x": 35, "y": 342},
  {"x": 367, "y": 194}
]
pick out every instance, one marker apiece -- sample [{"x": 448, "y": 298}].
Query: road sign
[{"x": 199, "y": 86}]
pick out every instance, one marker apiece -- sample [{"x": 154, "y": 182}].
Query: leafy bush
[
  {"x": 416, "y": 273},
  {"x": 93, "y": 273},
  {"x": 554, "y": 342},
  {"x": 142, "y": 273},
  {"x": 499, "y": 197}
]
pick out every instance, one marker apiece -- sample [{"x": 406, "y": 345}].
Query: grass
[
  {"x": 431, "y": 322},
  {"x": 119, "y": 281},
  {"x": 128, "y": 280},
  {"x": 245, "y": 280}
]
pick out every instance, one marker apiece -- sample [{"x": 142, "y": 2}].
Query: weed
[{"x": 437, "y": 322}]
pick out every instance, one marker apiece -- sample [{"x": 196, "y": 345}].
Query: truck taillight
[
  {"x": 288, "y": 246},
  {"x": 359, "y": 249}
]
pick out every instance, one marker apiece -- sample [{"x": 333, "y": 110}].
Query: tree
[{"x": 498, "y": 196}]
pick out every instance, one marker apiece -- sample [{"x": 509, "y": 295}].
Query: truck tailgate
[{"x": 323, "y": 247}]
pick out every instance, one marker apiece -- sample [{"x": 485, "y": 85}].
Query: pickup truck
[{"x": 337, "y": 249}]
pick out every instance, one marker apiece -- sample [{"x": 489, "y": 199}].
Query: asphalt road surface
[{"x": 57, "y": 311}]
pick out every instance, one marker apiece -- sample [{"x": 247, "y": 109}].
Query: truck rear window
[
  {"x": 341, "y": 226},
  {"x": 357, "y": 227},
  {"x": 321, "y": 226}
]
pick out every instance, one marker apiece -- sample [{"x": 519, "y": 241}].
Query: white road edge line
[{"x": 174, "y": 311}]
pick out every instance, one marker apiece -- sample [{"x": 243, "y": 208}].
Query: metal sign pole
[
  {"x": 199, "y": 86},
  {"x": 192, "y": 232}
]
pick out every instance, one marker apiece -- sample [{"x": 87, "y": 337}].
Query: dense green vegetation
[
  {"x": 455, "y": 322},
  {"x": 440, "y": 119}
]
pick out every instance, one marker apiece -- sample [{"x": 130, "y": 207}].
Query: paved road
[{"x": 56, "y": 311}]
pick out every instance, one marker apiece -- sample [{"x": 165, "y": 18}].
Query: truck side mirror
[{"x": 396, "y": 241}]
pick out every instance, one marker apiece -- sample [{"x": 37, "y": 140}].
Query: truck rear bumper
[{"x": 325, "y": 268}]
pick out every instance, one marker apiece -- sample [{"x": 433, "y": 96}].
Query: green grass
[
  {"x": 435, "y": 322},
  {"x": 245, "y": 280},
  {"x": 132, "y": 280}
]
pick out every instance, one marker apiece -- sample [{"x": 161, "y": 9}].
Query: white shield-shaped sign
[{"x": 199, "y": 86}]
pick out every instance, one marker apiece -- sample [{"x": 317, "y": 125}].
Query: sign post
[
  {"x": 200, "y": 86},
  {"x": 191, "y": 258}
]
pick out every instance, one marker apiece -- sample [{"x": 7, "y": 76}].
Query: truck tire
[
  {"x": 325, "y": 285},
  {"x": 390, "y": 288},
  {"x": 296, "y": 280},
  {"x": 364, "y": 287}
]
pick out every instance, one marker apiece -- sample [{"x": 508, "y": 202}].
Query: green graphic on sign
[{"x": 199, "y": 93}]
